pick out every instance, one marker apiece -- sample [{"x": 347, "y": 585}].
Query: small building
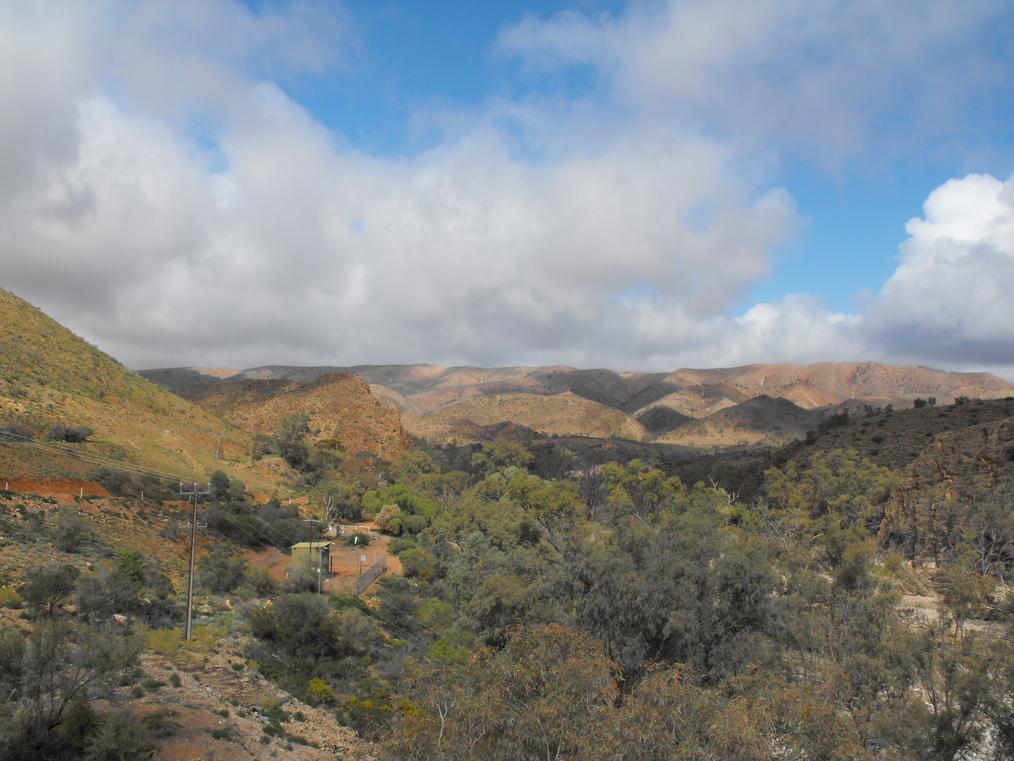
[{"x": 311, "y": 555}]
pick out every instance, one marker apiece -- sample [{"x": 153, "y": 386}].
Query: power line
[{"x": 94, "y": 459}]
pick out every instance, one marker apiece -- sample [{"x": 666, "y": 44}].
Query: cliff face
[{"x": 339, "y": 406}]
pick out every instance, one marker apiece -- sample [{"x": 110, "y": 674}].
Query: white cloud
[
  {"x": 950, "y": 299},
  {"x": 297, "y": 249},
  {"x": 304, "y": 252}
]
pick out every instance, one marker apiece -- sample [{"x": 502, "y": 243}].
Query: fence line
[
  {"x": 371, "y": 574},
  {"x": 355, "y": 528}
]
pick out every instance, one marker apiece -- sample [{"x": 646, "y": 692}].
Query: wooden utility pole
[
  {"x": 193, "y": 494},
  {"x": 320, "y": 568}
]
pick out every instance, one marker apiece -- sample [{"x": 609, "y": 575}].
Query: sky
[{"x": 639, "y": 185}]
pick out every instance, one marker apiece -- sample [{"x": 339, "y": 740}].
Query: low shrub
[
  {"x": 260, "y": 581},
  {"x": 70, "y": 531},
  {"x": 220, "y": 573},
  {"x": 223, "y": 733},
  {"x": 203, "y": 639},
  {"x": 69, "y": 434},
  {"x": 9, "y": 598},
  {"x": 164, "y": 641},
  {"x": 300, "y": 580},
  {"x": 16, "y": 429},
  {"x": 120, "y": 735},
  {"x": 319, "y": 692}
]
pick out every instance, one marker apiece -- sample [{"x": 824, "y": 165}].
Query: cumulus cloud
[
  {"x": 301, "y": 251},
  {"x": 949, "y": 300},
  {"x": 163, "y": 195}
]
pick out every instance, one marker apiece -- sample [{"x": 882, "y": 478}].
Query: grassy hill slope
[{"x": 49, "y": 376}]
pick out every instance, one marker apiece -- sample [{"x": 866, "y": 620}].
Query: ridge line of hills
[{"x": 745, "y": 405}]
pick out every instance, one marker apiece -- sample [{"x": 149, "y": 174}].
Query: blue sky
[
  {"x": 641, "y": 185},
  {"x": 407, "y": 57},
  {"x": 852, "y": 226}
]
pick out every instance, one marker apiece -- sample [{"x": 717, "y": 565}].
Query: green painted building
[{"x": 311, "y": 555}]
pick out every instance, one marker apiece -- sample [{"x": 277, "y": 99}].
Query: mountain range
[{"x": 753, "y": 404}]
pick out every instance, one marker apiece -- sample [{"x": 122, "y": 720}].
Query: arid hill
[
  {"x": 339, "y": 406},
  {"x": 563, "y": 414},
  {"x": 50, "y": 377},
  {"x": 822, "y": 384},
  {"x": 658, "y": 420},
  {"x": 896, "y": 439},
  {"x": 763, "y": 419}
]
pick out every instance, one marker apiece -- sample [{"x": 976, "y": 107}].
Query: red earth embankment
[{"x": 54, "y": 487}]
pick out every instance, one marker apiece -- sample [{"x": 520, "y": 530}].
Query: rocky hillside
[
  {"x": 339, "y": 406},
  {"x": 937, "y": 491},
  {"x": 896, "y": 438},
  {"x": 50, "y": 377}
]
